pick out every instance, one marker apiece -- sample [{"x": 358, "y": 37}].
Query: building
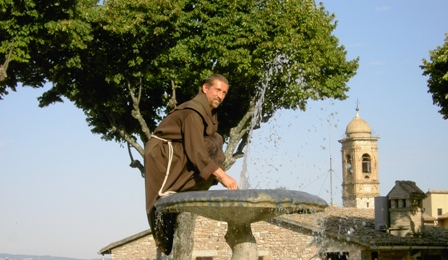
[
  {"x": 436, "y": 206},
  {"x": 360, "y": 183},
  {"x": 406, "y": 209}
]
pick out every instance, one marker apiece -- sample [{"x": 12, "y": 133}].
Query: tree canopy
[
  {"x": 123, "y": 61},
  {"x": 437, "y": 70}
]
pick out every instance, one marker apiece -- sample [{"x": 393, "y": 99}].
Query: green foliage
[
  {"x": 90, "y": 53},
  {"x": 437, "y": 70},
  {"x": 41, "y": 33}
]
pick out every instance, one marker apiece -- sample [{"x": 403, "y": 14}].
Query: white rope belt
[{"x": 170, "y": 159}]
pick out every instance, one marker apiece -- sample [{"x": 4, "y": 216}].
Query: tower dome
[{"x": 358, "y": 128}]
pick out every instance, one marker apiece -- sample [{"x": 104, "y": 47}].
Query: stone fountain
[{"x": 240, "y": 208}]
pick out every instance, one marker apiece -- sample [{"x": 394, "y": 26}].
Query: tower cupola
[{"x": 358, "y": 128}]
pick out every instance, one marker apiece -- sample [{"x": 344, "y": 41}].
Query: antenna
[{"x": 331, "y": 164}]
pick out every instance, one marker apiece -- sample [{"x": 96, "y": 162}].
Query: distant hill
[{"x": 39, "y": 257}]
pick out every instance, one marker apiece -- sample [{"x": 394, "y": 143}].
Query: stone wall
[
  {"x": 290, "y": 241},
  {"x": 140, "y": 249},
  {"x": 406, "y": 221},
  {"x": 273, "y": 243}
]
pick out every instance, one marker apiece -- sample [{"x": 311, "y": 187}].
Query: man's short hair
[{"x": 211, "y": 79}]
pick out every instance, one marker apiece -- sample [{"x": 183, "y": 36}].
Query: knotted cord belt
[{"x": 170, "y": 159}]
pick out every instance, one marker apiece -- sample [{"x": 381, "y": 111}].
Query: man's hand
[{"x": 225, "y": 179}]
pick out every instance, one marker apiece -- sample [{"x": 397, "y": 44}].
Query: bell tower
[{"x": 360, "y": 184}]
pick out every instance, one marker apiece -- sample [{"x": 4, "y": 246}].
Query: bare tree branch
[
  {"x": 131, "y": 141},
  {"x": 4, "y": 67},
  {"x": 173, "y": 101},
  {"x": 136, "y": 163},
  {"x": 128, "y": 138},
  {"x": 236, "y": 139},
  {"x": 239, "y": 151},
  {"x": 136, "y": 111}
]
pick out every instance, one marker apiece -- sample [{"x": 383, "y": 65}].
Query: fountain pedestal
[
  {"x": 240, "y": 208},
  {"x": 241, "y": 240}
]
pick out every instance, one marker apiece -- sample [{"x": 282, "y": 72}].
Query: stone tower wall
[{"x": 358, "y": 188}]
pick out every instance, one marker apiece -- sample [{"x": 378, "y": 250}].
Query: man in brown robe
[{"x": 185, "y": 154}]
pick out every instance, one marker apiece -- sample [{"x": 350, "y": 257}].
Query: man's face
[{"x": 216, "y": 93}]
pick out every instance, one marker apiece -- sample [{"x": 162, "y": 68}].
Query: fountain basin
[{"x": 241, "y": 206}]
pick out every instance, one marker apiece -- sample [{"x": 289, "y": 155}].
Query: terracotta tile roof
[{"x": 358, "y": 226}]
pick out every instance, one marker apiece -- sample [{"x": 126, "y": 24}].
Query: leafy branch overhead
[
  {"x": 437, "y": 70},
  {"x": 108, "y": 58}
]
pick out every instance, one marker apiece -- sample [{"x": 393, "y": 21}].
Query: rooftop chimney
[{"x": 406, "y": 209}]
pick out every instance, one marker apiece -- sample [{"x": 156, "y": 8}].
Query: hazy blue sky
[{"x": 65, "y": 192}]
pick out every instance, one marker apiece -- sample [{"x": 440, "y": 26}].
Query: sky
[{"x": 66, "y": 192}]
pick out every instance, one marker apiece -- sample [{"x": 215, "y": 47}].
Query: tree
[
  {"x": 437, "y": 70},
  {"x": 123, "y": 61}
]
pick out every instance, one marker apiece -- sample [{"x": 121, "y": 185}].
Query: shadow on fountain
[{"x": 239, "y": 208}]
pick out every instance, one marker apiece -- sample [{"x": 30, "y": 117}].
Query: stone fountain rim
[{"x": 255, "y": 198}]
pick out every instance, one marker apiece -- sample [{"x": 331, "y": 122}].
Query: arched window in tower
[
  {"x": 348, "y": 164},
  {"x": 366, "y": 163}
]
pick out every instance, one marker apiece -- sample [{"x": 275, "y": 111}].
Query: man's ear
[{"x": 204, "y": 88}]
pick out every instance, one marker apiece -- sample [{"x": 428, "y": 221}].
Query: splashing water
[
  {"x": 273, "y": 68},
  {"x": 256, "y": 119}
]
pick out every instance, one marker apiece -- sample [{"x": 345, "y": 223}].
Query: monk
[{"x": 185, "y": 154}]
